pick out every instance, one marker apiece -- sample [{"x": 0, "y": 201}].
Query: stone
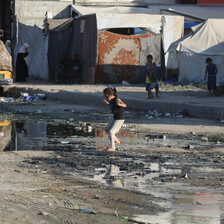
[{"x": 204, "y": 139}]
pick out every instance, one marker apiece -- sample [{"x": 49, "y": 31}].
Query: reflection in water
[
  {"x": 112, "y": 176},
  {"x": 28, "y": 135},
  {"x": 189, "y": 206},
  {"x": 109, "y": 176},
  {"x": 33, "y": 135},
  {"x": 5, "y": 135}
]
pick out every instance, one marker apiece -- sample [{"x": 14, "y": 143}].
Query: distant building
[{"x": 32, "y": 12}]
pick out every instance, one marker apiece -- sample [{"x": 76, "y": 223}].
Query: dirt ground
[
  {"x": 166, "y": 170},
  {"x": 196, "y": 94}
]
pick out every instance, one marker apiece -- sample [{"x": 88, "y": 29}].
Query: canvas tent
[
  {"x": 191, "y": 10},
  {"x": 124, "y": 56},
  {"x": 171, "y": 27},
  {"x": 190, "y": 52}
]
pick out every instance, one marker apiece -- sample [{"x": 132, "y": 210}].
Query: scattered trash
[
  {"x": 64, "y": 142},
  {"x": 186, "y": 176},
  {"x": 75, "y": 136},
  {"x": 43, "y": 213},
  {"x": 189, "y": 147},
  {"x": 89, "y": 128},
  {"x": 170, "y": 81},
  {"x": 204, "y": 139},
  {"x": 39, "y": 96},
  {"x": 6, "y": 99},
  {"x": 156, "y": 114},
  {"x": 87, "y": 211},
  {"x": 35, "y": 97},
  {"x": 125, "y": 83},
  {"x": 168, "y": 114},
  {"x": 24, "y": 94},
  {"x": 125, "y": 217},
  {"x": 97, "y": 196},
  {"x": 180, "y": 116}
]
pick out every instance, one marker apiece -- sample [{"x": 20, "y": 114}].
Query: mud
[{"x": 58, "y": 171}]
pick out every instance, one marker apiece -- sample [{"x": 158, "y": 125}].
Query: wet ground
[{"x": 158, "y": 176}]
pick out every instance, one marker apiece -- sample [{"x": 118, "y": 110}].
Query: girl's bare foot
[
  {"x": 117, "y": 142},
  {"x": 110, "y": 150}
]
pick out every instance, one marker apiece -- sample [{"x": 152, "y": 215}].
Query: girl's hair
[{"x": 110, "y": 91}]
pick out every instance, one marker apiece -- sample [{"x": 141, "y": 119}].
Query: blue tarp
[{"x": 189, "y": 25}]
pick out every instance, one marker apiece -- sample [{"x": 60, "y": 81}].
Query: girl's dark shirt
[{"x": 117, "y": 110}]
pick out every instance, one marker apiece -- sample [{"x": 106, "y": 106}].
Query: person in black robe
[{"x": 21, "y": 65}]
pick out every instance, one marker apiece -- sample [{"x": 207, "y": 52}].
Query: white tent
[
  {"x": 190, "y": 52},
  {"x": 204, "y": 12},
  {"x": 171, "y": 27}
]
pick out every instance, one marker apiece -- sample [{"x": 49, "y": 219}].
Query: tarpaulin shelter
[
  {"x": 118, "y": 56},
  {"x": 189, "y": 53},
  {"x": 38, "y": 49},
  {"x": 78, "y": 35}
]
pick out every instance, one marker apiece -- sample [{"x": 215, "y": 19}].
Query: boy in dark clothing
[{"x": 211, "y": 70}]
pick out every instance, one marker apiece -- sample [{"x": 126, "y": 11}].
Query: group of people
[
  {"x": 68, "y": 70},
  {"x": 152, "y": 82},
  {"x": 117, "y": 105}
]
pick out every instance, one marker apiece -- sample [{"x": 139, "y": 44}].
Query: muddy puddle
[
  {"x": 68, "y": 134},
  {"x": 180, "y": 180}
]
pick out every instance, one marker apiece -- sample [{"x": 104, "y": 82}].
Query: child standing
[
  {"x": 211, "y": 70},
  {"x": 117, "y": 107},
  {"x": 151, "y": 79}
]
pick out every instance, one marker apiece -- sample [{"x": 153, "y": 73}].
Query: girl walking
[{"x": 117, "y": 107}]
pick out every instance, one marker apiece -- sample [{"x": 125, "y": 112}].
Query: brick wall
[{"x": 32, "y": 12}]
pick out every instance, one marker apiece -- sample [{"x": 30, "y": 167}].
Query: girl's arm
[
  {"x": 106, "y": 102},
  {"x": 120, "y": 103}
]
